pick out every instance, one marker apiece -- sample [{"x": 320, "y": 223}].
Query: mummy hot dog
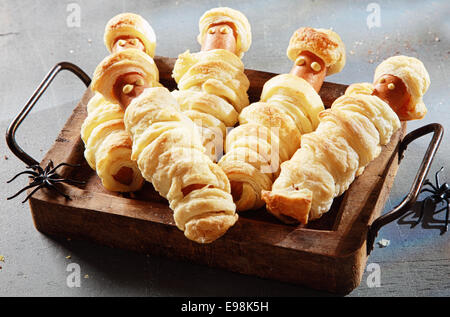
[
  {"x": 402, "y": 81},
  {"x": 128, "y": 30},
  {"x": 270, "y": 130},
  {"x": 349, "y": 137},
  {"x": 316, "y": 53},
  {"x": 225, "y": 28},
  {"x": 166, "y": 146},
  {"x": 107, "y": 144},
  {"x": 212, "y": 86}
]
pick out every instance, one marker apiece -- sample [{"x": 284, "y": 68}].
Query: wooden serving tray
[{"x": 327, "y": 254}]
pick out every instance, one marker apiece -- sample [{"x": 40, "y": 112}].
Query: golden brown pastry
[
  {"x": 415, "y": 78},
  {"x": 269, "y": 133},
  {"x": 349, "y": 136},
  {"x": 129, "y": 30},
  {"x": 224, "y": 16},
  {"x": 212, "y": 86},
  {"x": 167, "y": 148},
  {"x": 107, "y": 144},
  {"x": 109, "y": 71},
  {"x": 324, "y": 43},
  {"x": 270, "y": 130}
]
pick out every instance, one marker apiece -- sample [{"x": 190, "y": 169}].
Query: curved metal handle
[
  {"x": 411, "y": 198},
  {"x": 11, "y": 131}
]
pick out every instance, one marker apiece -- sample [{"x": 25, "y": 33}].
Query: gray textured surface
[{"x": 34, "y": 36}]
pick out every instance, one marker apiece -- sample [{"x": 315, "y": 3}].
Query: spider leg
[
  {"x": 54, "y": 176},
  {"x": 426, "y": 190},
  {"x": 68, "y": 181},
  {"x": 63, "y": 164},
  {"x": 437, "y": 177},
  {"x": 48, "y": 167},
  {"x": 58, "y": 179},
  {"x": 24, "y": 189},
  {"x": 446, "y": 216},
  {"x": 36, "y": 167},
  {"x": 32, "y": 193},
  {"x": 53, "y": 186},
  {"x": 26, "y": 172},
  {"x": 427, "y": 182}
]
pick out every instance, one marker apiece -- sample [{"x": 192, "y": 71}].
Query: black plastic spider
[
  {"x": 439, "y": 193},
  {"x": 44, "y": 177}
]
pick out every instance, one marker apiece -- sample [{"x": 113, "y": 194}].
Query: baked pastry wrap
[
  {"x": 348, "y": 137},
  {"x": 133, "y": 61},
  {"x": 237, "y": 20},
  {"x": 212, "y": 91},
  {"x": 108, "y": 146},
  {"x": 268, "y": 134},
  {"x": 170, "y": 155},
  {"x": 324, "y": 43},
  {"x": 130, "y": 25},
  {"x": 416, "y": 78}
]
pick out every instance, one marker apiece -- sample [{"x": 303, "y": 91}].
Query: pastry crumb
[{"x": 383, "y": 243}]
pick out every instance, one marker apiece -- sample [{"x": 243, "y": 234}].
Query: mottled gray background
[{"x": 34, "y": 36}]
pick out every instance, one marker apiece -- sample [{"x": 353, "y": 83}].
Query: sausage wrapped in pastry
[
  {"x": 212, "y": 86},
  {"x": 129, "y": 30},
  {"x": 410, "y": 74},
  {"x": 349, "y": 136},
  {"x": 270, "y": 130},
  {"x": 223, "y": 17},
  {"x": 107, "y": 144},
  {"x": 167, "y": 148}
]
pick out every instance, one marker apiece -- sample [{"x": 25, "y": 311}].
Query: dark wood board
[{"x": 327, "y": 254}]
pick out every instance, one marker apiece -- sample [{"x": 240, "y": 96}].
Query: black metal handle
[
  {"x": 11, "y": 131},
  {"x": 411, "y": 198}
]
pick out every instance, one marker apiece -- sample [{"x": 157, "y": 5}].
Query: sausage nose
[
  {"x": 128, "y": 87},
  {"x": 393, "y": 91},
  {"x": 311, "y": 68},
  {"x": 220, "y": 36}
]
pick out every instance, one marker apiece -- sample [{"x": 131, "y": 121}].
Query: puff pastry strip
[
  {"x": 236, "y": 19},
  {"x": 212, "y": 86},
  {"x": 349, "y": 137},
  {"x": 269, "y": 133},
  {"x": 324, "y": 43},
  {"x": 107, "y": 144},
  {"x": 416, "y": 78},
  {"x": 130, "y": 25},
  {"x": 270, "y": 130},
  {"x": 169, "y": 152}
]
